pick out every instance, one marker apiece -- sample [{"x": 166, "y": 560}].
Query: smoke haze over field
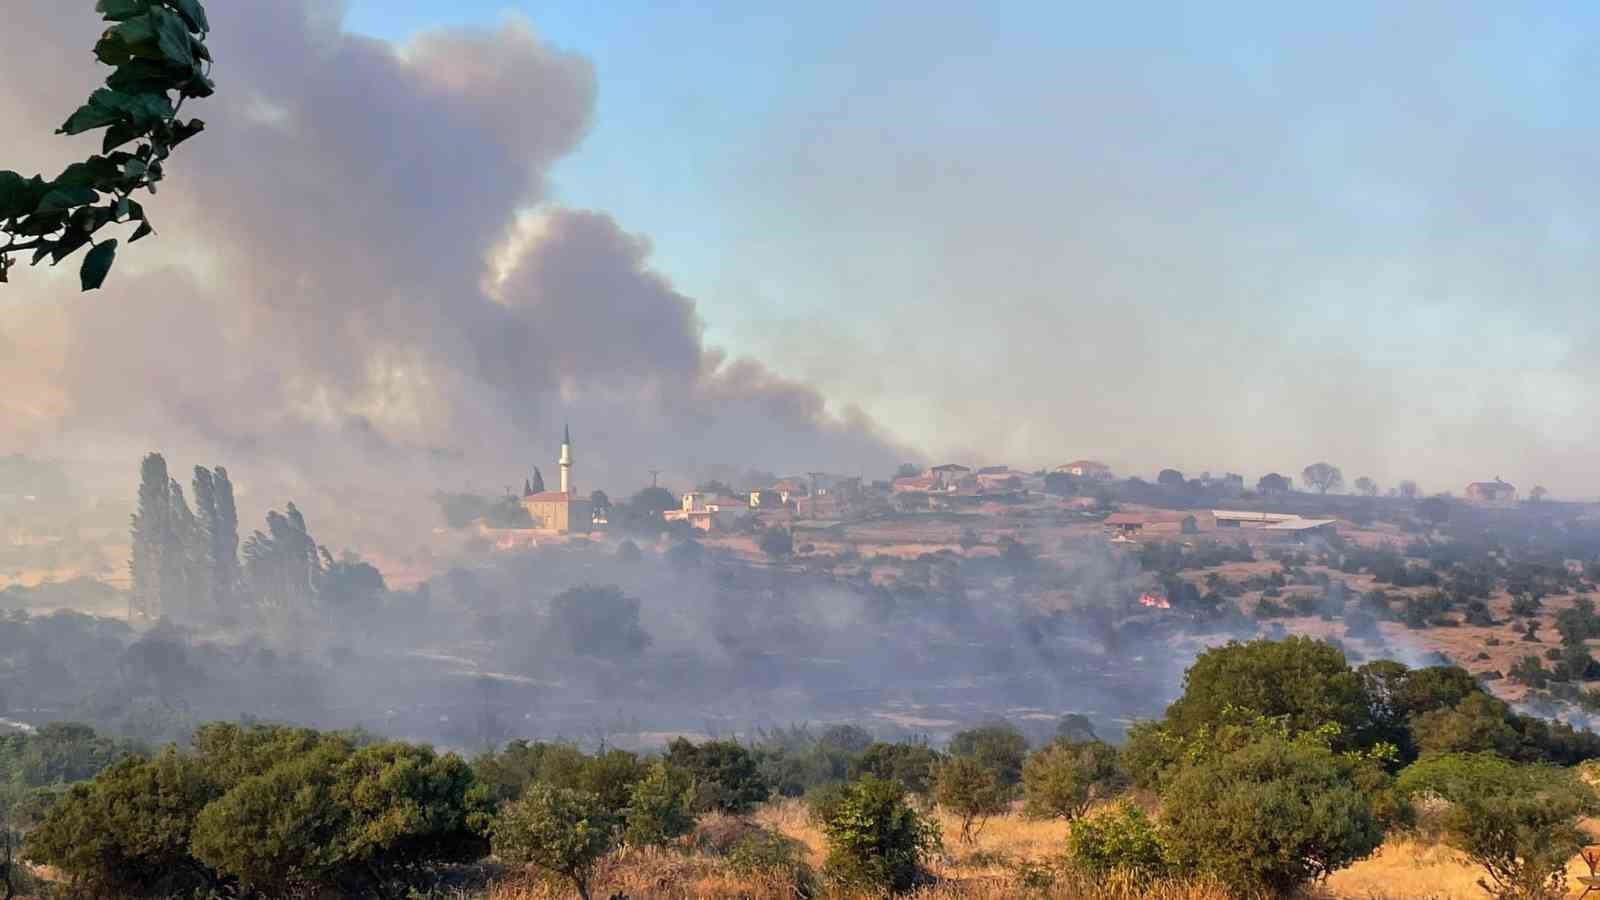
[{"x": 356, "y": 281}]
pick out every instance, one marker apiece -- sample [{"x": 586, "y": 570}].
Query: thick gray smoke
[{"x": 359, "y": 281}]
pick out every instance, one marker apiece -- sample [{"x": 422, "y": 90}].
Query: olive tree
[
  {"x": 1519, "y": 823},
  {"x": 1063, "y": 779},
  {"x": 1271, "y": 815},
  {"x": 970, "y": 791},
  {"x": 562, "y": 831},
  {"x": 875, "y": 839},
  {"x": 1323, "y": 477},
  {"x": 158, "y": 50}
]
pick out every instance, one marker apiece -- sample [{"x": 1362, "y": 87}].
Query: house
[
  {"x": 1128, "y": 524},
  {"x": 1492, "y": 493},
  {"x": 769, "y": 499},
  {"x": 998, "y": 478},
  {"x": 1277, "y": 525},
  {"x": 1086, "y": 468},
  {"x": 948, "y": 477},
  {"x": 913, "y": 484},
  {"x": 842, "y": 486},
  {"x": 708, "y": 512},
  {"x": 1233, "y": 519}
]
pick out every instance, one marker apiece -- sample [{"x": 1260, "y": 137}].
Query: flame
[{"x": 1154, "y": 602}]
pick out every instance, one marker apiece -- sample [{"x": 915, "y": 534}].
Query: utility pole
[{"x": 654, "y": 474}]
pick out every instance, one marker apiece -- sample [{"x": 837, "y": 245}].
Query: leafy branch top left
[{"x": 158, "y": 50}]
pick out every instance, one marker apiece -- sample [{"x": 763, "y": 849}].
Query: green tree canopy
[{"x": 158, "y": 51}]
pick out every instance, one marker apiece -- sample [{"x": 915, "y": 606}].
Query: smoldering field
[{"x": 585, "y": 644}]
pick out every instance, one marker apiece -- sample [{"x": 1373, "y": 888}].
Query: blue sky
[{"x": 1137, "y": 231}]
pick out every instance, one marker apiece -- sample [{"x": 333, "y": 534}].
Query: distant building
[
  {"x": 708, "y": 512},
  {"x": 998, "y": 478},
  {"x": 1128, "y": 524},
  {"x": 913, "y": 484},
  {"x": 948, "y": 477},
  {"x": 769, "y": 499},
  {"x": 1492, "y": 493},
  {"x": 1284, "y": 525},
  {"x": 563, "y": 511},
  {"x": 1086, "y": 468}
]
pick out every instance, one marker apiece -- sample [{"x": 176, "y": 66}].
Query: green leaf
[
  {"x": 111, "y": 49},
  {"x": 117, "y": 135},
  {"x": 69, "y": 244},
  {"x": 138, "y": 35},
  {"x": 18, "y": 196},
  {"x": 172, "y": 36},
  {"x": 148, "y": 76},
  {"x": 95, "y": 172},
  {"x": 119, "y": 10},
  {"x": 64, "y": 198},
  {"x": 182, "y": 131},
  {"x": 40, "y": 224},
  {"x": 194, "y": 15},
  {"x": 97, "y": 265},
  {"x": 100, "y": 111},
  {"x": 143, "y": 231}
]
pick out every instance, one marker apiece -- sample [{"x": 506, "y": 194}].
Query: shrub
[
  {"x": 998, "y": 747},
  {"x": 658, "y": 807},
  {"x": 767, "y": 854},
  {"x": 561, "y": 831},
  {"x": 876, "y": 840},
  {"x": 777, "y": 543},
  {"x": 1519, "y": 823},
  {"x": 343, "y": 819},
  {"x": 127, "y": 832},
  {"x": 1269, "y": 816},
  {"x": 1061, "y": 780},
  {"x": 1122, "y": 839},
  {"x": 726, "y": 775},
  {"x": 911, "y": 765},
  {"x": 970, "y": 791},
  {"x": 1305, "y": 680}
]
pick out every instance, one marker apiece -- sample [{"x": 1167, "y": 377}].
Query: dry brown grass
[{"x": 1012, "y": 857}]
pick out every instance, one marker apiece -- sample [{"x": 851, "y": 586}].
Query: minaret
[{"x": 566, "y": 461}]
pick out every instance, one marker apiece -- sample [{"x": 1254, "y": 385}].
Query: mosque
[{"x": 563, "y": 511}]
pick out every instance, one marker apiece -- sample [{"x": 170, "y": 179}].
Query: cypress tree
[
  {"x": 183, "y": 565},
  {"x": 219, "y": 527},
  {"x": 538, "y": 481},
  {"x": 151, "y": 533}
]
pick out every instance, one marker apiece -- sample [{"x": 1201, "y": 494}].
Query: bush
[
  {"x": 1305, "y": 680},
  {"x": 998, "y": 747},
  {"x": 766, "y": 854},
  {"x": 912, "y": 765},
  {"x": 344, "y": 819},
  {"x": 777, "y": 543},
  {"x": 876, "y": 840},
  {"x": 658, "y": 807},
  {"x": 970, "y": 791},
  {"x": 1122, "y": 839},
  {"x": 1063, "y": 779},
  {"x": 127, "y": 832},
  {"x": 726, "y": 775},
  {"x": 561, "y": 831},
  {"x": 1519, "y": 823},
  {"x": 1270, "y": 816}
]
